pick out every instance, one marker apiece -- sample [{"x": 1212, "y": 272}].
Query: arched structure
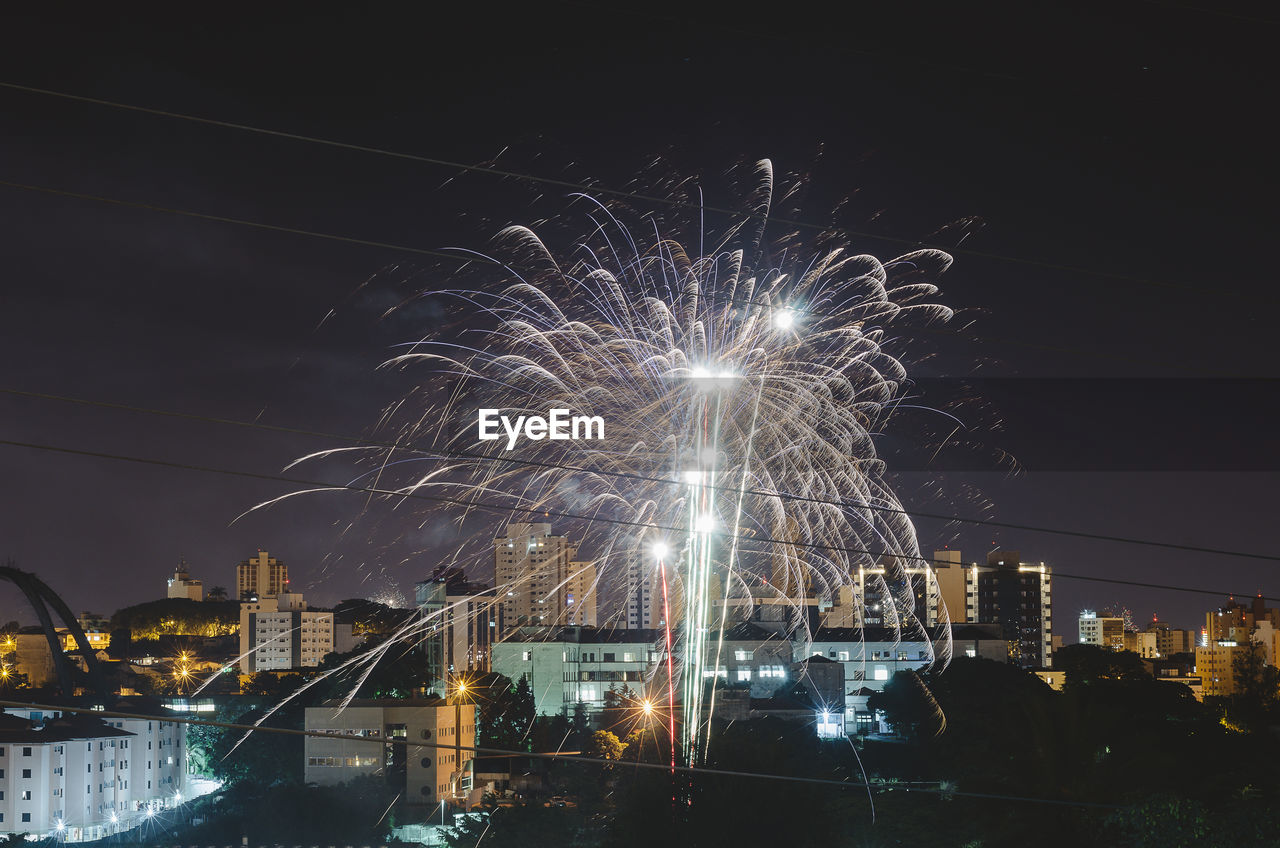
[{"x": 42, "y": 600}]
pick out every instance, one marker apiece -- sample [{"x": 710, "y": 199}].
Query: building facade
[
  {"x": 461, "y": 622},
  {"x": 279, "y": 633},
  {"x": 422, "y": 746},
  {"x": 182, "y": 585},
  {"x": 572, "y": 665},
  {"x": 1018, "y": 596},
  {"x": 642, "y": 605},
  {"x": 129, "y": 769},
  {"x": 261, "y": 576},
  {"x": 1102, "y": 630},
  {"x": 540, "y": 581}
]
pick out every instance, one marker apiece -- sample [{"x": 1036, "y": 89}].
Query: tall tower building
[
  {"x": 262, "y": 576},
  {"x": 540, "y": 581},
  {"x": 644, "y": 595},
  {"x": 902, "y": 592},
  {"x": 1019, "y": 597},
  {"x": 462, "y": 621}
]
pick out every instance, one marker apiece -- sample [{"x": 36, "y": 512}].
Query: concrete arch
[{"x": 42, "y": 599}]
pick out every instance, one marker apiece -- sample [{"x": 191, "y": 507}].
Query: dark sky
[{"x": 1134, "y": 140}]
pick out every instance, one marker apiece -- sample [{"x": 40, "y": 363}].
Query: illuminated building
[
  {"x": 1018, "y": 596},
  {"x": 462, "y": 619},
  {"x": 181, "y": 585},
  {"x": 1170, "y": 640},
  {"x": 281, "y": 633},
  {"x": 876, "y": 595},
  {"x": 540, "y": 581},
  {"x": 1102, "y": 630},
  {"x": 432, "y": 764},
  {"x": 76, "y": 778},
  {"x": 261, "y": 576},
  {"x": 1215, "y": 665},
  {"x": 571, "y": 665},
  {"x": 643, "y": 598}
]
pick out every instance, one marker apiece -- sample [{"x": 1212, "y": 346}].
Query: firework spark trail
[{"x": 733, "y": 375}]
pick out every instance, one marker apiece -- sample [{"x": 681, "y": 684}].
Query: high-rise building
[
  {"x": 1019, "y": 597},
  {"x": 1102, "y": 630},
  {"x": 462, "y": 620},
  {"x": 1231, "y": 631},
  {"x": 903, "y": 593},
  {"x": 643, "y": 600},
  {"x": 181, "y": 584},
  {"x": 261, "y": 576},
  {"x": 540, "y": 581},
  {"x": 1170, "y": 640}
]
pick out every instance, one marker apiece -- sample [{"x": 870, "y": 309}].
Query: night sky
[{"x": 1124, "y": 151}]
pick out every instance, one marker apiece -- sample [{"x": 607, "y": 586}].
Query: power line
[
  {"x": 584, "y": 187},
  {"x": 466, "y": 455},
  {"x": 476, "y": 257},
  {"x": 203, "y": 216},
  {"x": 640, "y": 525},
  {"x": 572, "y": 758}
]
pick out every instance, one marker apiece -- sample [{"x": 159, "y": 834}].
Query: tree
[
  {"x": 178, "y": 617},
  {"x": 1085, "y": 664},
  {"x": 273, "y": 686},
  {"x": 506, "y": 713},
  {"x": 217, "y": 593},
  {"x": 606, "y": 745},
  {"x": 1257, "y": 687},
  {"x": 121, "y": 645},
  {"x": 261, "y": 760},
  {"x": 527, "y": 826}
]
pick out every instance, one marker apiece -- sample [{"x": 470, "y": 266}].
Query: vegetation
[{"x": 178, "y": 617}]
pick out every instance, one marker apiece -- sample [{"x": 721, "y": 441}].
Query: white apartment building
[
  {"x": 575, "y": 665},
  {"x": 279, "y": 633},
  {"x": 540, "y": 581},
  {"x": 643, "y": 594},
  {"x": 1102, "y": 630},
  {"x": 428, "y": 742},
  {"x": 129, "y": 770}
]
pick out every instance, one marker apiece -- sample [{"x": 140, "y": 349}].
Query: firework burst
[{"x": 740, "y": 392}]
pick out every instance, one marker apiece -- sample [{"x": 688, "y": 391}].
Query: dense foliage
[{"x": 178, "y": 617}]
